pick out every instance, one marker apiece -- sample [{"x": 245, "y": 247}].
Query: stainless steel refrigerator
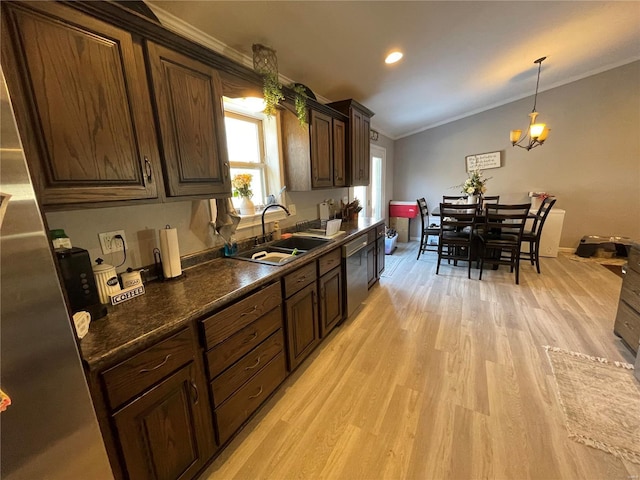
[{"x": 50, "y": 429}]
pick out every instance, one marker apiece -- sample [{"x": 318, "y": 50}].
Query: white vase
[
  {"x": 247, "y": 207},
  {"x": 472, "y": 199}
]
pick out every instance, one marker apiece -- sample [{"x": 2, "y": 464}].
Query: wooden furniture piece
[
  {"x": 501, "y": 236},
  {"x": 245, "y": 357},
  {"x": 375, "y": 255},
  {"x": 532, "y": 237},
  {"x": 427, "y": 229},
  {"x": 358, "y": 143},
  {"x": 188, "y": 97},
  {"x": 159, "y": 405},
  {"x": 456, "y": 234},
  {"x": 301, "y": 308},
  {"x": 79, "y": 89},
  {"x": 330, "y": 286},
  {"x": 314, "y": 154},
  {"x": 627, "y": 324},
  {"x": 380, "y": 250}
]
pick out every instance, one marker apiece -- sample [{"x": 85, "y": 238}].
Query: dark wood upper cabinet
[
  {"x": 79, "y": 90},
  {"x": 188, "y": 98},
  {"x": 358, "y": 149},
  {"x": 339, "y": 153},
  {"x": 321, "y": 150},
  {"x": 314, "y": 154}
]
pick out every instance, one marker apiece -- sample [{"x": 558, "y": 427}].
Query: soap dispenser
[{"x": 277, "y": 234}]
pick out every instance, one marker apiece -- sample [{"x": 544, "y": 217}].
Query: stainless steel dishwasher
[{"x": 355, "y": 256}]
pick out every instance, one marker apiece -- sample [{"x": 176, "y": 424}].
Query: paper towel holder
[{"x": 158, "y": 261}]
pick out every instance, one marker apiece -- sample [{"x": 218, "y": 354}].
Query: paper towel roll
[{"x": 170, "y": 252}]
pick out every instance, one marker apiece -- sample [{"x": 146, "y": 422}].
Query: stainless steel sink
[
  {"x": 281, "y": 252},
  {"x": 301, "y": 243}
]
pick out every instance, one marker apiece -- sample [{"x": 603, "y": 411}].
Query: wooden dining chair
[
  {"x": 427, "y": 230},
  {"x": 532, "y": 237},
  {"x": 487, "y": 199},
  {"x": 456, "y": 234},
  {"x": 501, "y": 236}
]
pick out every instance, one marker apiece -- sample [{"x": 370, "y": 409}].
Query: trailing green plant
[
  {"x": 300, "y": 102},
  {"x": 272, "y": 91}
]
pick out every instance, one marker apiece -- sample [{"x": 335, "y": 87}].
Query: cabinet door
[
  {"x": 167, "y": 433},
  {"x": 357, "y": 148},
  {"x": 365, "y": 176},
  {"x": 331, "y": 307},
  {"x": 302, "y": 324},
  {"x": 371, "y": 264},
  {"x": 321, "y": 150},
  {"x": 83, "y": 108},
  {"x": 339, "y": 152},
  {"x": 189, "y": 104},
  {"x": 380, "y": 256}
]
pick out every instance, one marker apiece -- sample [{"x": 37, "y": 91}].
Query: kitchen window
[{"x": 252, "y": 143}]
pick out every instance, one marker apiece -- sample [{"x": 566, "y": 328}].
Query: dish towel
[{"x": 225, "y": 218}]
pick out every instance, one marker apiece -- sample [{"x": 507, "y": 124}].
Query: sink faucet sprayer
[{"x": 272, "y": 205}]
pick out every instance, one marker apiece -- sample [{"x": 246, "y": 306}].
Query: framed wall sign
[{"x": 483, "y": 161}]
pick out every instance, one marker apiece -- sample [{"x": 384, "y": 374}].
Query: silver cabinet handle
[
  {"x": 161, "y": 364},
  {"x": 194, "y": 387},
  {"x": 257, "y": 394},
  {"x": 254, "y": 365},
  {"x": 255, "y": 307},
  {"x": 147, "y": 167}
]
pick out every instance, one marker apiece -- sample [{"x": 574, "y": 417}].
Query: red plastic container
[{"x": 402, "y": 209}]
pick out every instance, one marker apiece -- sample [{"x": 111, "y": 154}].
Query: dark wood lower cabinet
[
  {"x": 371, "y": 264},
  {"x": 167, "y": 432},
  {"x": 232, "y": 414},
  {"x": 331, "y": 310},
  {"x": 302, "y": 324},
  {"x": 380, "y": 255}
]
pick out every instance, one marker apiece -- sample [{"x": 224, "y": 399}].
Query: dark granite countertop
[{"x": 168, "y": 306}]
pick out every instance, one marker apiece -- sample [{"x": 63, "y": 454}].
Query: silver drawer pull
[
  {"x": 257, "y": 394},
  {"x": 253, "y": 336},
  {"x": 254, "y": 365},
  {"x": 147, "y": 370},
  {"x": 255, "y": 307}
]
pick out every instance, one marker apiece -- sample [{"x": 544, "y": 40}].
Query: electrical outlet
[
  {"x": 110, "y": 243},
  {"x": 292, "y": 209}
]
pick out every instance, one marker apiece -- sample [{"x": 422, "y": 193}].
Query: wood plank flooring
[{"x": 440, "y": 377}]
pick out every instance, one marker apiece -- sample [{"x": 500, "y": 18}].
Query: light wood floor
[{"x": 441, "y": 377}]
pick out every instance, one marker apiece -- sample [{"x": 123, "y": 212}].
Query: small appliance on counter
[
  {"x": 106, "y": 280},
  {"x": 79, "y": 282}
]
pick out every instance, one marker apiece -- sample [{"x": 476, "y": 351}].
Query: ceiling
[{"x": 460, "y": 58}]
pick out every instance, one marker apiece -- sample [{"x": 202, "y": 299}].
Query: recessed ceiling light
[{"x": 393, "y": 57}]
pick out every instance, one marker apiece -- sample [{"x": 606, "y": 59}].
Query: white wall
[{"x": 590, "y": 162}]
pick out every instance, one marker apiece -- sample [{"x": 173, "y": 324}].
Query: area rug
[
  {"x": 601, "y": 402},
  {"x": 601, "y": 261},
  {"x": 390, "y": 265}
]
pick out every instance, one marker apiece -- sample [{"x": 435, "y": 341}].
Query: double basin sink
[{"x": 281, "y": 252}]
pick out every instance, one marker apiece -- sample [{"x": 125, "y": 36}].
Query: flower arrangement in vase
[
  {"x": 242, "y": 188},
  {"x": 474, "y": 186}
]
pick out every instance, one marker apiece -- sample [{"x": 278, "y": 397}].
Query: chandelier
[{"x": 537, "y": 132}]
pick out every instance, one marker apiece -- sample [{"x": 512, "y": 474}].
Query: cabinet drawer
[
  {"x": 380, "y": 231},
  {"x": 628, "y": 325},
  {"x": 371, "y": 236},
  {"x": 232, "y": 414},
  {"x": 299, "y": 279},
  {"x": 225, "y": 323},
  {"x": 634, "y": 259},
  {"x": 630, "y": 292},
  {"x": 233, "y": 378},
  {"x": 139, "y": 372},
  {"x": 236, "y": 346},
  {"x": 329, "y": 261}
]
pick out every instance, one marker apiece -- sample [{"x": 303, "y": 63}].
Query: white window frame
[{"x": 271, "y": 165}]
